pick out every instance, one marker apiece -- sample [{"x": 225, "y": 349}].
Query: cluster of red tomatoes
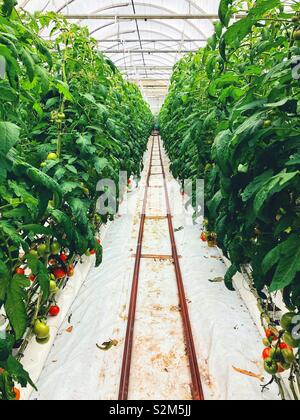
[
  {"x": 60, "y": 266},
  {"x": 279, "y": 354}
]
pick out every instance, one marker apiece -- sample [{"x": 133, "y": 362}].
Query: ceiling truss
[{"x": 143, "y": 38}]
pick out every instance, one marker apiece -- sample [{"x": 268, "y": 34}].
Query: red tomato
[
  {"x": 267, "y": 353},
  {"x": 203, "y": 237},
  {"x": 20, "y": 271},
  {"x": 32, "y": 278},
  {"x": 71, "y": 270},
  {"x": 59, "y": 273},
  {"x": 63, "y": 258},
  {"x": 17, "y": 393},
  {"x": 92, "y": 252},
  {"x": 54, "y": 310},
  {"x": 271, "y": 335},
  {"x": 284, "y": 346},
  {"x": 99, "y": 241}
]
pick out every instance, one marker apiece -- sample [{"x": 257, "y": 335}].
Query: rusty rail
[
  {"x": 197, "y": 391},
  {"x": 127, "y": 356}
]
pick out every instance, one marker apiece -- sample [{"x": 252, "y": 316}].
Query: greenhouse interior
[{"x": 150, "y": 202}]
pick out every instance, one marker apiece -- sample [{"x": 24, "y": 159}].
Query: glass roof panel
[{"x": 142, "y": 49}]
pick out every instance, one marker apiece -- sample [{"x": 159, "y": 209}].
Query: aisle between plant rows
[{"x": 85, "y": 361}]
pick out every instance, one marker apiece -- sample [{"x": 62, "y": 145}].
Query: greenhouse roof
[{"x": 143, "y": 38}]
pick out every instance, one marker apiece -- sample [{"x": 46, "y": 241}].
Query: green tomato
[
  {"x": 270, "y": 366},
  {"x": 43, "y": 164},
  {"x": 42, "y": 249},
  {"x": 267, "y": 123},
  {"x": 52, "y": 156},
  {"x": 297, "y": 35},
  {"x": 33, "y": 253},
  {"x": 287, "y": 321},
  {"x": 41, "y": 330},
  {"x": 53, "y": 286},
  {"x": 55, "y": 248},
  {"x": 288, "y": 356},
  {"x": 43, "y": 340},
  {"x": 51, "y": 204},
  {"x": 290, "y": 341},
  {"x": 243, "y": 169},
  {"x": 266, "y": 342}
]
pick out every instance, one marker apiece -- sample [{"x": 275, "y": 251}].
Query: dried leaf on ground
[
  {"x": 247, "y": 373},
  {"x": 107, "y": 345},
  {"x": 216, "y": 280}
]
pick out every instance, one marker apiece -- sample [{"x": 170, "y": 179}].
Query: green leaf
[
  {"x": 71, "y": 169},
  {"x": 43, "y": 180},
  {"x": 37, "y": 229},
  {"x": 12, "y": 233},
  {"x": 42, "y": 277},
  {"x": 273, "y": 186},
  {"x": 6, "y": 347},
  {"x": 99, "y": 254},
  {"x": 100, "y": 164},
  {"x": 28, "y": 63},
  {"x": 231, "y": 272},
  {"x": 15, "y": 305},
  {"x": 257, "y": 183},
  {"x": 8, "y": 6},
  {"x": 64, "y": 89},
  {"x": 79, "y": 211},
  {"x": 64, "y": 222},
  {"x": 7, "y": 93},
  {"x": 225, "y": 12},
  {"x": 214, "y": 204},
  {"x": 19, "y": 373},
  {"x": 239, "y": 30},
  {"x": 4, "y": 281},
  {"x": 9, "y": 136},
  {"x": 286, "y": 256}
]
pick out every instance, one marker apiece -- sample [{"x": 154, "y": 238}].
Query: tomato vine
[
  {"x": 232, "y": 117},
  {"x": 67, "y": 119}
]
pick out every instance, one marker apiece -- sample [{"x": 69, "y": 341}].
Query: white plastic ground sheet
[{"x": 227, "y": 341}]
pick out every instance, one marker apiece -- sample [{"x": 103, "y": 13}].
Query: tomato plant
[
  {"x": 67, "y": 120},
  {"x": 232, "y": 118}
]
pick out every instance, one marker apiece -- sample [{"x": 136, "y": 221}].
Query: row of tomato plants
[
  {"x": 67, "y": 120},
  {"x": 232, "y": 117}
]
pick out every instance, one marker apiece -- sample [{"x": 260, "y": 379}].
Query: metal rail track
[{"x": 196, "y": 385}]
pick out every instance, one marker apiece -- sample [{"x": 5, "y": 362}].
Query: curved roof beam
[
  {"x": 167, "y": 25},
  {"x": 136, "y": 45},
  {"x": 190, "y": 2},
  {"x": 158, "y": 33},
  {"x": 160, "y": 60},
  {"x": 170, "y": 54},
  {"x": 139, "y": 63},
  {"x": 24, "y": 4},
  {"x": 165, "y": 9}
]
